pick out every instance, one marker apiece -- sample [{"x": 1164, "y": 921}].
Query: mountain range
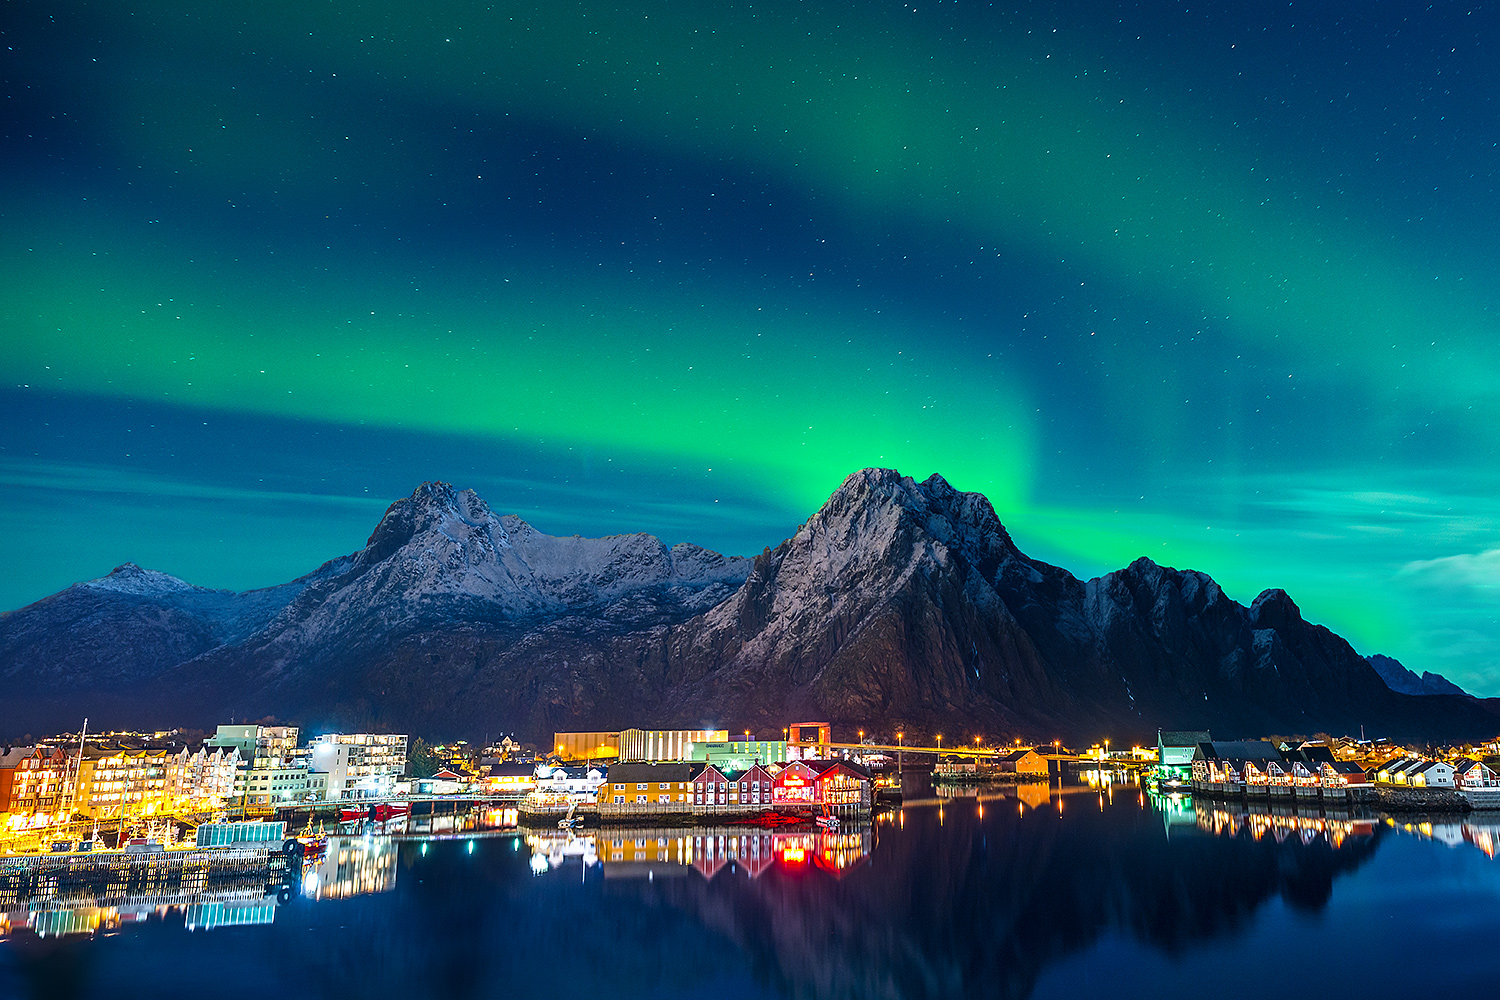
[{"x": 897, "y": 604}]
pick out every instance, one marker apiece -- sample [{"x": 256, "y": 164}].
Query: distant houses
[
  {"x": 1414, "y": 772},
  {"x": 704, "y": 789},
  {"x": 1246, "y": 766}
]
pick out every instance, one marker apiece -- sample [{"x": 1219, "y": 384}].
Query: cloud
[{"x": 1479, "y": 570}]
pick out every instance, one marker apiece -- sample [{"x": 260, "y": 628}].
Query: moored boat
[{"x": 380, "y": 812}]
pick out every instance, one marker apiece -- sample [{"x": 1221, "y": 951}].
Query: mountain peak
[{"x": 128, "y": 578}]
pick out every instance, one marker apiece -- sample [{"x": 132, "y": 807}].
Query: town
[
  {"x": 87, "y": 791},
  {"x": 101, "y": 829}
]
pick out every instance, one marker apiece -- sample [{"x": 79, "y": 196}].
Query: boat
[
  {"x": 379, "y": 812},
  {"x": 826, "y": 820}
]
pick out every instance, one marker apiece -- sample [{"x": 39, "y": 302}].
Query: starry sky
[{"x": 1210, "y": 283}]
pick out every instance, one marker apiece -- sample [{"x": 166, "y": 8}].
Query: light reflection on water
[{"x": 965, "y": 891}]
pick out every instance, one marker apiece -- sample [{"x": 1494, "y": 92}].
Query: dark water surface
[{"x": 1077, "y": 895}]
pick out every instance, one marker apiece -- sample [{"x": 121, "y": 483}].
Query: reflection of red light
[{"x": 794, "y": 855}]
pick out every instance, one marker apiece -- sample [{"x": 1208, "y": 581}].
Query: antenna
[{"x": 78, "y": 769}]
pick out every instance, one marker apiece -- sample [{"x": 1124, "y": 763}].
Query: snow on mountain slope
[{"x": 896, "y": 603}]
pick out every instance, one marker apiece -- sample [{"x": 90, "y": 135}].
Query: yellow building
[
  {"x": 586, "y": 746},
  {"x": 647, "y": 788}
]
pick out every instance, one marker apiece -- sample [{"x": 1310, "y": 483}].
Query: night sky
[{"x": 1215, "y": 284}]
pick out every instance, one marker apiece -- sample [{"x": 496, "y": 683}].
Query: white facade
[
  {"x": 360, "y": 765},
  {"x": 666, "y": 744},
  {"x": 572, "y": 781},
  {"x": 330, "y": 762},
  {"x": 1433, "y": 774}
]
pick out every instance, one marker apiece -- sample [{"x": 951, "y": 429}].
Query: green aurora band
[{"x": 1014, "y": 144}]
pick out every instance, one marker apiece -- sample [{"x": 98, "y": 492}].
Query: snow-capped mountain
[{"x": 897, "y": 603}]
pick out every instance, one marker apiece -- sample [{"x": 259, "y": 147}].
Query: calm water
[{"x": 1078, "y": 895}]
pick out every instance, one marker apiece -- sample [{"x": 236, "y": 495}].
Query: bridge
[{"x": 823, "y": 741}]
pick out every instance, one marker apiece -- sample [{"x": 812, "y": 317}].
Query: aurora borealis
[{"x": 1214, "y": 285}]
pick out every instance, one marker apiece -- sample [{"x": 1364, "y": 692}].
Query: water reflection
[
  {"x": 649, "y": 852},
  {"x": 951, "y": 896},
  {"x": 351, "y": 866}
]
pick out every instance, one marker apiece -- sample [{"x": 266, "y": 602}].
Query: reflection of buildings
[
  {"x": 1280, "y": 824},
  {"x": 1309, "y": 824},
  {"x": 57, "y": 896},
  {"x": 1481, "y": 831},
  {"x": 352, "y": 866},
  {"x": 655, "y": 853}
]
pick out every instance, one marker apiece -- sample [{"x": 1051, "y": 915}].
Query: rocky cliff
[
  {"x": 897, "y": 603},
  {"x": 1398, "y": 678}
]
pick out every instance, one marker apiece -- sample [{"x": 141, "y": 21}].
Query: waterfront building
[
  {"x": 1344, "y": 773},
  {"x": 1175, "y": 748},
  {"x": 360, "y": 765},
  {"x": 208, "y": 777},
  {"x": 328, "y": 767},
  {"x": 1021, "y": 762},
  {"x": 41, "y": 788},
  {"x": 586, "y": 746},
  {"x": 795, "y": 785},
  {"x": 1394, "y": 771},
  {"x": 262, "y": 750},
  {"x": 113, "y": 782},
  {"x": 647, "y": 788},
  {"x": 1431, "y": 774},
  {"x": 570, "y": 781},
  {"x": 270, "y": 780},
  {"x": 10, "y": 762},
  {"x": 445, "y": 782},
  {"x": 957, "y": 767},
  {"x": 666, "y": 744},
  {"x": 1467, "y": 773},
  {"x": 842, "y": 783},
  {"x": 518, "y": 778},
  {"x": 741, "y": 753}
]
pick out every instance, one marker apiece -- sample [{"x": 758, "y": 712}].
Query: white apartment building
[{"x": 359, "y": 765}]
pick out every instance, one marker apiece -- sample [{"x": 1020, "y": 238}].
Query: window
[
  {"x": 641, "y": 787},
  {"x": 619, "y": 799}
]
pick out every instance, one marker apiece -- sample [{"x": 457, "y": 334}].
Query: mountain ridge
[{"x": 896, "y": 603}]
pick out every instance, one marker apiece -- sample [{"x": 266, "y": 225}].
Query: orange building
[{"x": 647, "y": 788}]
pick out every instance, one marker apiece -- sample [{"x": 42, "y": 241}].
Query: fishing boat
[{"x": 379, "y": 812}]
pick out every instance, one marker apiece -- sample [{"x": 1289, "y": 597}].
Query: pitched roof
[
  {"x": 14, "y": 755},
  {"x": 1238, "y": 750},
  {"x": 819, "y": 766},
  {"x": 638, "y": 771},
  {"x": 1182, "y": 738},
  {"x": 1316, "y": 752}
]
